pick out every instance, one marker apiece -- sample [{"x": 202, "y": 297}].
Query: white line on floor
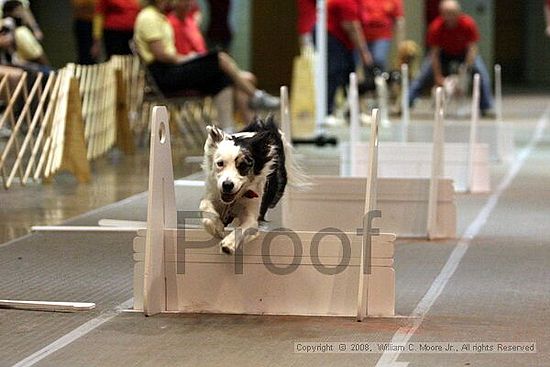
[
  {"x": 404, "y": 334},
  {"x": 73, "y": 335}
]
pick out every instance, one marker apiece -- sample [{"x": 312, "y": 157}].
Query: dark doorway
[{"x": 510, "y": 39}]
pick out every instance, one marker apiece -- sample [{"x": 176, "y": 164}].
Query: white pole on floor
[
  {"x": 285, "y": 115},
  {"x": 438, "y": 160},
  {"x": 47, "y": 306},
  {"x": 405, "y": 112},
  {"x": 130, "y": 228},
  {"x": 473, "y": 133},
  {"x": 321, "y": 67},
  {"x": 354, "y": 133},
  {"x": 498, "y": 108}
]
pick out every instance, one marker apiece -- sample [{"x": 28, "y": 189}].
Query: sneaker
[
  {"x": 264, "y": 101},
  {"x": 332, "y": 120}
]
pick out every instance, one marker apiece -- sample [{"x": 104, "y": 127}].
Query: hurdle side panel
[
  {"x": 161, "y": 214},
  {"x": 413, "y": 160},
  {"x": 208, "y": 283},
  {"x": 339, "y": 202}
]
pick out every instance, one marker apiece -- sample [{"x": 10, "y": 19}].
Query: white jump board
[
  {"x": 209, "y": 283},
  {"x": 414, "y": 160},
  {"x": 459, "y": 132},
  {"x": 339, "y": 202}
]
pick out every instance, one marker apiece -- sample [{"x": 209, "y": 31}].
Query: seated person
[
  {"x": 27, "y": 51},
  {"x": 209, "y": 73},
  {"x": 27, "y": 18},
  {"x": 453, "y": 38},
  {"x": 189, "y": 41}
]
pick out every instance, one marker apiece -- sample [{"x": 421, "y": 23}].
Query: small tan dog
[{"x": 408, "y": 53}]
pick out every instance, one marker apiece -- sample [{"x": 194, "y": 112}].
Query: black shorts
[{"x": 202, "y": 74}]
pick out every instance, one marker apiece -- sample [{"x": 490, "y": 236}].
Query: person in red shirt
[
  {"x": 114, "y": 24},
  {"x": 453, "y": 38},
  {"x": 379, "y": 18},
  {"x": 344, "y": 37},
  {"x": 190, "y": 43},
  {"x": 307, "y": 15},
  {"x": 187, "y": 33}
]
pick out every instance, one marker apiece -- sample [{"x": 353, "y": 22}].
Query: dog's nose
[{"x": 227, "y": 186}]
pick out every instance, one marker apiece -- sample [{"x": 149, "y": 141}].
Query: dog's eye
[{"x": 219, "y": 163}]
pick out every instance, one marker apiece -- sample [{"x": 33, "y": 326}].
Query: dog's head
[
  {"x": 236, "y": 161},
  {"x": 407, "y": 52}
]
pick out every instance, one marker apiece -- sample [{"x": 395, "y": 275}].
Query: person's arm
[
  {"x": 355, "y": 33},
  {"x": 159, "y": 52},
  {"x": 471, "y": 55},
  {"x": 399, "y": 22},
  {"x": 97, "y": 28},
  {"x": 6, "y": 40},
  {"x": 30, "y": 20},
  {"x": 399, "y": 30},
  {"x": 435, "y": 54}
]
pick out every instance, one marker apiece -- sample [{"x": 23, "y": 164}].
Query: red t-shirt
[
  {"x": 453, "y": 41},
  {"x": 307, "y": 15},
  {"x": 339, "y": 11},
  {"x": 120, "y": 15},
  {"x": 187, "y": 34},
  {"x": 379, "y": 16}
]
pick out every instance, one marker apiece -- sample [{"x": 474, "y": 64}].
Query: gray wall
[
  {"x": 55, "y": 18},
  {"x": 537, "y": 57}
]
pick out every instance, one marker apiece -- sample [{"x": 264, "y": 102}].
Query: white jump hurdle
[
  {"x": 466, "y": 163},
  {"x": 499, "y": 136},
  {"x": 337, "y": 200},
  {"x": 210, "y": 283}
]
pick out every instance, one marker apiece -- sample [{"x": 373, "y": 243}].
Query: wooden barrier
[
  {"x": 397, "y": 196},
  {"x": 210, "y": 283},
  {"x": 466, "y": 163},
  {"x": 67, "y": 119},
  {"x": 498, "y": 135}
]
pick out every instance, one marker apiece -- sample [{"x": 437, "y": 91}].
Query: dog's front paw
[
  {"x": 228, "y": 244},
  {"x": 214, "y": 226}
]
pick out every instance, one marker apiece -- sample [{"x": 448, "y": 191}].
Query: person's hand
[
  {"x": 38, "y": 34},
  {"x": 95, "y": 51},
  {"x": 188, "y": 57},
  {"x": 366, "y": 57},
  {"x": 439, "y": 80},
  {"x": 6, "y": 40},
  {"x": 548, "y": 31}
]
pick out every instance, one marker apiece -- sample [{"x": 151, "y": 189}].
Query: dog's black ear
[{"x": 215, "y": 135}]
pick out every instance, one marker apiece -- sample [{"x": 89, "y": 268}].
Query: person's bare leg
[
  {"x": 228, "y": 66},
  {"x": 224, "y": 106},
  {"x": 242, "y": 99}
]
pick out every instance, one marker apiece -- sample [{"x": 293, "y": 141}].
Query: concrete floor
[{"x": 499, "y": 291}]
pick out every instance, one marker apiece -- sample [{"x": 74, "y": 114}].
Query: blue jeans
[
  {"x": 380, "y": 50},
  {"x": 340, "y": 64},
  {"x": 426, "y": 76}
]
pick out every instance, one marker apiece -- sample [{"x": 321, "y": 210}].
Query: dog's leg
[
  {"x": 212, "y": 222},
  {"x": 245, "y": 232}
]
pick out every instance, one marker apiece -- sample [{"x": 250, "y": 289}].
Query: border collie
[{"x": 246, "y": 174}]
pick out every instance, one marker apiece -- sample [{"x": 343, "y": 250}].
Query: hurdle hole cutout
[{"x": 162, "y": 132}]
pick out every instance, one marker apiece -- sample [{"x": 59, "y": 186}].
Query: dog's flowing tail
[{"x": 295, "y": 173}]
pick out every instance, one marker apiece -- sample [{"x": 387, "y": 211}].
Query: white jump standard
[{"x": 183, "y": 270}]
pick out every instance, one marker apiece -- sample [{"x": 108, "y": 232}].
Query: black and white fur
[{"x": 246, "y": 174}]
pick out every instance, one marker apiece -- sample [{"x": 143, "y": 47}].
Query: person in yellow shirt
[
  {"x": 28, "y": 51},
  {"x": 212, "y": 73}
]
